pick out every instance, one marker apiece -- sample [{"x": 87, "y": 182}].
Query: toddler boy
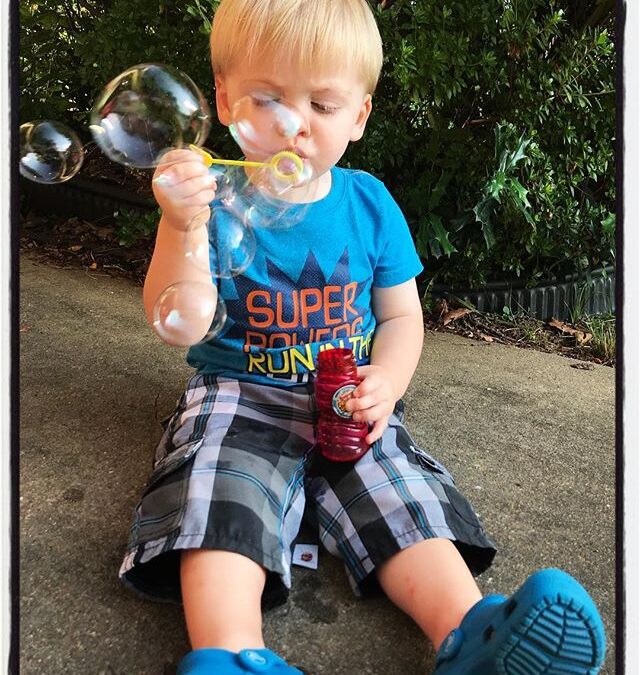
[{"x": 236, "y": 465}]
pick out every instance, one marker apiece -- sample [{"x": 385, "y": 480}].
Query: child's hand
[
  {"x": 183, "y": 188},
  {"x": 373, "y": 400}
]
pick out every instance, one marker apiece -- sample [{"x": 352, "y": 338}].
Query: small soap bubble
[
  {"x": 50, "y": 152},
  {"x": 219, "y": 320},
  {"x": 185, "y": 305},
  {"x": 147, "y": 110},
  {"x": 231, "y": 244}
]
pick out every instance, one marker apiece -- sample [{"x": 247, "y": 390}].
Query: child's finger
[
  {"x": 179, "y": 155},
  {"x": 186, "y": 191},
  {"x": 189, "y": 189},
  {"x": 179, "y": 173},
  {"x": 202, "y": 198},
  {"x": 361, "y": 402},
  {"x": 366, "y": 387},
  {"x": 377, "y": 430},
  {"x": 373, "y": 413}
]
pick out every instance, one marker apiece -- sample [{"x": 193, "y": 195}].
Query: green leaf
[
  {"x": 441, "y": 235},
  {"x": 609, "y": 224},
  {"x": 438, "y": 191},
  {"x": 518, "y": 197},
  {"x": 483, "y": 211},
  {"x": 432, "y": 236},
  {"x": 519, "y": 153},
  {"x": 496, "y": 185}
]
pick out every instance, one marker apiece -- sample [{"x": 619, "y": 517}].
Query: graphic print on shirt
[{"x": 277, "y": 322}]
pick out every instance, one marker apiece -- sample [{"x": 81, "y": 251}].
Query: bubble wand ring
[{"x": 273, "y": 164}]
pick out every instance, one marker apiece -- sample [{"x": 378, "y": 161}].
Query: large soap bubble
[
  {"x": 183, "y": 305},
  {"x": 50, "y": 152},
  {"x": 262, "y": 125},
  {"x": 271, "y": 132},
  {"x": 146, "y": 111}
]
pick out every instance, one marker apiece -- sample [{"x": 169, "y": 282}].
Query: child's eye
[
  {"x": 264, "y": 101},
  {"x": 324, "y": 109}
]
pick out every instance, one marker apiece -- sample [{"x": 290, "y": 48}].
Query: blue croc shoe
[
  {"x": 549, "y": 626},
  {"x": 223, "y": 662}
]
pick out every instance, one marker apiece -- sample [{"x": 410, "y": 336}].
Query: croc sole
[
  {"x": 556, "y": 637},
  {"x": 550, "y": 626}
]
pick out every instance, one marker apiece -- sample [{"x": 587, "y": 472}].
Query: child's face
[{"x": 334, "y": 107}]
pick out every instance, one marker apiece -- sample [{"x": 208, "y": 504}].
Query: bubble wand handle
[
  {"x": 209, "y": 160},
  {"x": 273, "y": 163}
]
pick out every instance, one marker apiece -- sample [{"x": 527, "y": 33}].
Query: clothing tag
[{"x": 305, "y": 555}]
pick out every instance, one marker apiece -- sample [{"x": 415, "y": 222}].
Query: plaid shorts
[{"x": 236, "y": 467}]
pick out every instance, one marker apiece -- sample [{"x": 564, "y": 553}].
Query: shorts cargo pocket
[
  {"x": 161, "y": 508},
  {"x": 427, "y": 462},
  {"x": 175, "y": 432}
]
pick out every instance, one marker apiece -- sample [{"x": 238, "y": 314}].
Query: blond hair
[{"x": 312, "y": 33}]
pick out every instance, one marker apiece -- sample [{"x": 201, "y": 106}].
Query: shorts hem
[
  {"x": 152, "y": 550},
  {"x": 363, "y": 586}
]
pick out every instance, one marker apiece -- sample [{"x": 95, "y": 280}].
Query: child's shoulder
[
  {"x": 359, "y": 177},
  {"x": 363, "y": 182}
]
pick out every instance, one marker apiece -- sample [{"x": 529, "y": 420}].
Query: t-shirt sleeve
[{"x": 398, "y": 260}]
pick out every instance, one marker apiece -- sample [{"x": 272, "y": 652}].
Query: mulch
[
  {"x": 99, "y": 167},
  {"x": 551, "y": 336},
  {"x": 75, "y": 243}
]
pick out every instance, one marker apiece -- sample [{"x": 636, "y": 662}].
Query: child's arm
[
  {"x": 397, "y": 345},
  {"x": 183, "y": 188}
]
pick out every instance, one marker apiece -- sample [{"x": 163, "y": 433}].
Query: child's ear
[
  {"x": 222, "y": 101},
  {"x": 361, "y": 121}
]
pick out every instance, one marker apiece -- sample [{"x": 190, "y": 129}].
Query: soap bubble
[
  {"x": 184, "y": 305},
  {"x": 246, "y": 199},
  {"x": 231, "y": 242},
  {"x": 261, "y": 125},
  {"x": 267, "y": 130},
  {"x": 147, "y": 110},
  {"x": 50, "y": 152},
  {"x": 264, "y": 207}
]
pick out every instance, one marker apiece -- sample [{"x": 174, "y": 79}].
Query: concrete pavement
[{"x": 529, "y": 439}]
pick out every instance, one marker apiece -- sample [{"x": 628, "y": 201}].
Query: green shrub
[
  {"x": 70, "y": 50},
  {"x": 131, "y": 225},
  {"x": 493, "y": 121},
  {"x": 467, "y": 85}
]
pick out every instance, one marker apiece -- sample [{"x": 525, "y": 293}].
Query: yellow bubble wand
[{"x": 274, "y": 163}]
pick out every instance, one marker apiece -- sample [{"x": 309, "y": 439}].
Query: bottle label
[{"x": 339, "y": 400}]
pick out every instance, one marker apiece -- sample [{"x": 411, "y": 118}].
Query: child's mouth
[{"x": 298, "y": 152}]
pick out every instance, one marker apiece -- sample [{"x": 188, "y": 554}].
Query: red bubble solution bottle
[{"x": 338, "y": 436}]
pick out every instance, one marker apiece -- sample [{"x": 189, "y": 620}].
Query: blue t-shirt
[{"x": 310, "y": 284}]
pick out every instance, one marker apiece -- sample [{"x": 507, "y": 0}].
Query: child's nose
[
  {"x": 292, "y": 123},
  {"x": 305, "y": 128}
]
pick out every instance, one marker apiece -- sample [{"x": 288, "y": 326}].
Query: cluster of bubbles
[{"x": 151, "y": 109}]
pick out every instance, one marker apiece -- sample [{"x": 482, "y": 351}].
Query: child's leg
[
  {"x": 549, "y": 625},
  {"x": 431, "y": 583},
  {"x": 221, "y": 594}
]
